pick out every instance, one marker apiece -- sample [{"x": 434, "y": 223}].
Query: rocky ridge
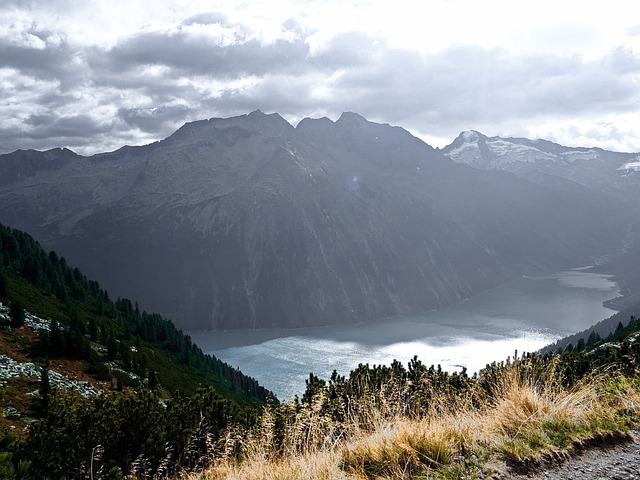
[{"x": 609, "y": 173}]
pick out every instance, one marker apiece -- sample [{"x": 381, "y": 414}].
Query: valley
[
  {"x": 319, "y": 240},
  {"x": 522, "y": 315},
  {"x": 320, "y": 259}
]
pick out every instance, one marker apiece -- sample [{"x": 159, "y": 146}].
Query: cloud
[
  {"x": 59, "y": 91},
  {"x": 39, "y": 53},
  {"x": 472, "y": 85},
  {"x": 200, "y": 55},
  {"x": 75, "y": 126},
  {"x": 155, "y": 118},
  {"x": 207, "y": 18}
]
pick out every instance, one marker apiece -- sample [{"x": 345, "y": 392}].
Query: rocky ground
[
  {"x": 609, "y": 460},
  {"x": 15, "y": 365}
]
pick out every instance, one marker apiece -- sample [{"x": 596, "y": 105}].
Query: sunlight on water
[
  {"x": 284, "y": 364},
  {"x": 524, "y": 315}
]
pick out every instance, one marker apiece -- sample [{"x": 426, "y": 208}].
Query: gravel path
[{"x": 619, "y": 460}]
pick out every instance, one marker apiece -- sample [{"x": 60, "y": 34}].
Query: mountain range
[
  {"x": 249, "y": 222},
  {"x": 609, "y": 173}
]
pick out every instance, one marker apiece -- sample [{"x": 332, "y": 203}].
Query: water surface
[{"x": 524, "y": 314}]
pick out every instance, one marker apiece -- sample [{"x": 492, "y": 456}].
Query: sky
[{"x": 93, "y": 75}]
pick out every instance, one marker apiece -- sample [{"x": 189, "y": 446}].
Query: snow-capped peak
[{"x": 470, "y": 135}]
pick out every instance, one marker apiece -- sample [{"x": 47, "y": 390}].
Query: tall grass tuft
[{"x": 520, "y": 411}]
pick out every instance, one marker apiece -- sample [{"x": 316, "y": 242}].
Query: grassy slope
[
  {"x": 524, "y": 414},
  {"x": 22, "y": 345},
  {"x": 518, "y": 412}
]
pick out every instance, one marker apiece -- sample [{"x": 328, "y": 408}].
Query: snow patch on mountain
[
  {"x": 464, "y": 149},
  {"x": 509, "y": 152},
  {"x": 473, "y": 148},
  {"x": 579, "y": 155},
  {"x": 631, "y": 166},
  {"x": 470, "y": 135}
]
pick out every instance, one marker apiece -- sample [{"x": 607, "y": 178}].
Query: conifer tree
[
  {"x": 593, "y": 338},
  {"x": 3, "y": 285},
  {"x": 112, "y": 347},
  {"x": 152, "y": 381},
  {"x": 16, "y": 313},
  {"x": 45, "y": 386},
  {"x": 93, "y": 329},
  {"x": 57, "y": 342}
]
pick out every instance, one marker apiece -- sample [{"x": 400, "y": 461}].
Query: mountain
[
  {"x": 248, "y": 222},
  {"x": 541, "y": 161},
  {"x": 610, "y": 174}
]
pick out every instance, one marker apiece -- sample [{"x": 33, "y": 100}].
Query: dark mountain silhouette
[{"x": 248, "y": 222}]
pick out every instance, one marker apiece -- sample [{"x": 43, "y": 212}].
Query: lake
[{"x": 524, "y": 314}]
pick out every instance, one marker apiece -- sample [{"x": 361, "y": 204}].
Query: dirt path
[{"x": 619, "y": 460}]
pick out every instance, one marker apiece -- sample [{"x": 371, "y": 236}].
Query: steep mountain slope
[
  {"x": 611, "y": 175},
  {"x": 72, "y": 321},
  {"x": 248, "y": 222}
]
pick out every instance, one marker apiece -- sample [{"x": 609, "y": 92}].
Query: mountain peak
[
  {"x": 465, "y": 140},
  {"x": 314, "y": 126},
  {"x": 351, "y": 118},
  {"x": 260, "y": 115},
  {"x": 471, "y": 135},
  {"x": 254, "y": 121},
  {"x": 468, "y": 136},
  {"x": 262, "y": 119}
]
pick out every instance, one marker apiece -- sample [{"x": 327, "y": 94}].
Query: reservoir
[{"x": 524, "y": 314}]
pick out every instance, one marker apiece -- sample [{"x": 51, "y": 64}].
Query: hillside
[
  {"x": 379, "y": 421},
  {"x": 83, "y": 323},
  {"x": 262, "y": 224},
  {"x": 393, "y": 421},
  {"x": 511, "y": 419},
  {"x": 66, "y": 347}
]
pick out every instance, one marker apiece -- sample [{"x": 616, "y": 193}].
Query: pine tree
[
  {"x": 57, "y": 342},
  {"x": 3, "y": 285},
  {"x": 314, "y": 385},
  {"x": 93, "y": 329},
  {"x": 152, "y": 381},
  {"x": 593, "y": 338},
  {"x": 112, "y": 347},
  {"x": 16, "y": 313},
  {"x": 45, "y": 386}
]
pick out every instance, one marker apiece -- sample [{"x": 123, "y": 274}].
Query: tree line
[
  {"x": 88, "y": 310},
  {"x": 138, "y": 432}
]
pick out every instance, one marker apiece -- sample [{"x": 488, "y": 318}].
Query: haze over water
[{"x": 525, "y": 314}]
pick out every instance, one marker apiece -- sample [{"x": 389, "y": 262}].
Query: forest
[{"x": 165, "y": 409}]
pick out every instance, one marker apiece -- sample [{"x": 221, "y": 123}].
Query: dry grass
[
  {"x": 319, "y": 465},
  {"x": 408, "y": 448},
  {"x": 522, "y": 418},
  {"x": 531, "y": 419}
]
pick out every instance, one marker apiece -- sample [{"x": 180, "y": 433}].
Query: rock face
[{"x": 248, "y": 222}]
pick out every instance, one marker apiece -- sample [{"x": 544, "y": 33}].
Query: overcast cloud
[{"x": 93, "y": 76}]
